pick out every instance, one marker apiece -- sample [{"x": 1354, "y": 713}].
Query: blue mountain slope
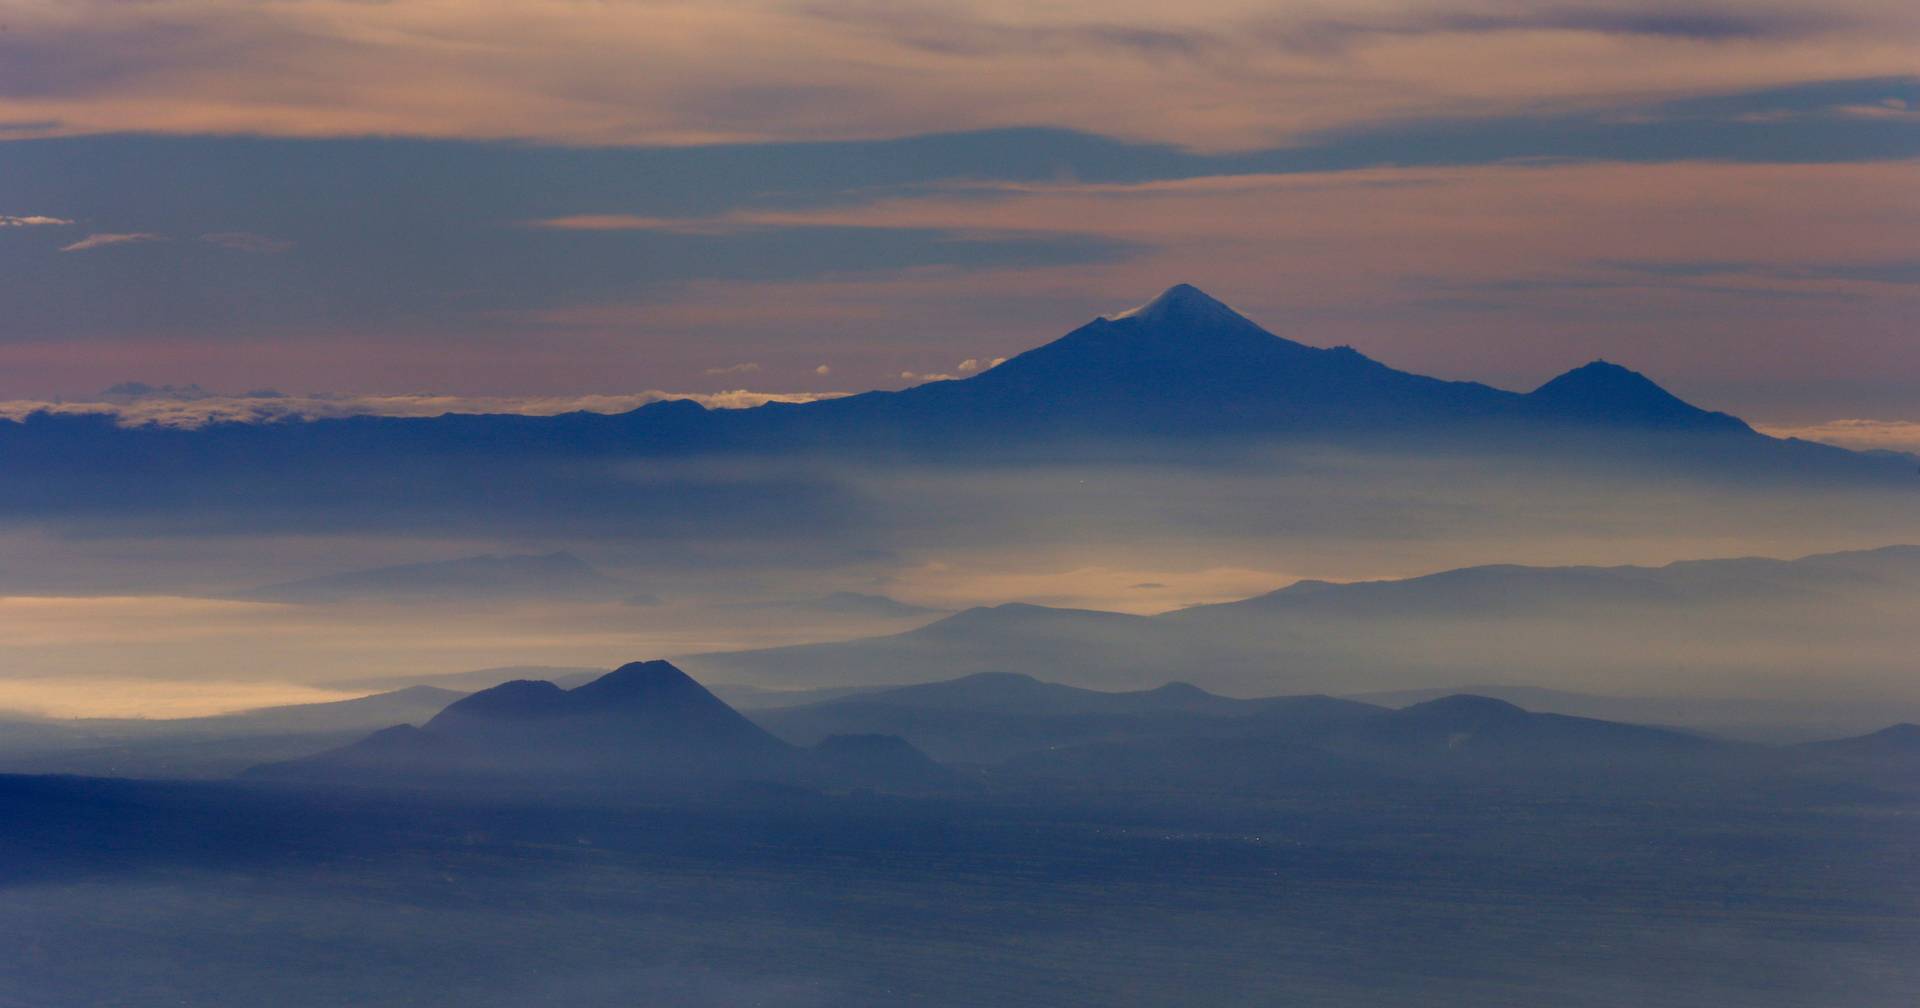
[
  {"x": 1183, "y": 378},
  {"x": 1183, "y": 365},
  {"x": 644, "y": 725}
]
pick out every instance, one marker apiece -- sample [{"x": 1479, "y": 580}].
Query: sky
[{"x": 472, "y": 199}]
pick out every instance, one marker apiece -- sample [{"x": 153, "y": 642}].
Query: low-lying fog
[{"x": 689, "y": 557}]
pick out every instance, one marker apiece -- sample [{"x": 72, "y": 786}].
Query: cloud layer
[
  {"x": 193, "y": 407},
  {"x": 1218, "y": 73}
]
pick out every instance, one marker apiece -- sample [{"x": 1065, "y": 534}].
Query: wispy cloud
[
  {"x": 32, "y": 220},
  {"x": 641, "y": 222},
  {"x": 134, "y": 404},
  {"x": 1218, "y": 73},
  {"x": 748, "y": 367},
  {"x": 1860, "y": 435},
  {"x": 103, "y": 240}
]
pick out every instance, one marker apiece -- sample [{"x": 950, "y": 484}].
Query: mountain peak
[
  {"x": 1604, "y": 375},
  {"x": 1604, "y": 391},
  {"x": 516, "y": 700},
  {"x": 1182, "y": 304},
  {"x": 654, "y": 683}
]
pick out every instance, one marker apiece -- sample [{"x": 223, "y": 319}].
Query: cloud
[
  {"x": 137, "y": 403},
  {"x": 102, "y": 240},
  {"x": 641, "y": 222},
  {"x": 1860, "y": 435},
  {"x": 823, "y": 370},
  {"x": 1219, "y": 73},
  {"x": 32, "y": 220},
  {"x": 246, "y": 241},
  {"x": 1681, "y": 22},
  {"x": 748, "y": 367},
  {"x": 973, "y": 364}
]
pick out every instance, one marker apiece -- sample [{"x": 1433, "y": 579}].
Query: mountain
[
  {"x": 991, "y": 717},
  {"x": 1182, "y": 369},
  {"x": 1468, "y": 729},
  {"x": 1183, "y": 381},
  {"x": 1602, "y": 630},
  {"x": 1890, "y": 756},
  {"x": 644, "y": 725},
  {"x": 1513, "y": 588},
  {"x": 1183, "y": 364},
  {"x": 1464, "y": 739},
  {"x": 1777, "y": 721},
  {"x": 1098, "y": 648},
  {"x": 882, "y": 762},
  {"x": 557, "y": 576},
  {"x": 1186, "y": 369},
  {"x": 1608, "y": 394}
]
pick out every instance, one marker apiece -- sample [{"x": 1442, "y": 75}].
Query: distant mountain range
[
  {"x": 1183, "y": 383},
  {"x": 1182, "y": 370},
  {"x": 1729, "y": 623},
  {"x": 1180, "y": 739},
  {"x": 645, "y": 725},
  {"x": 1186, "y": 366}
]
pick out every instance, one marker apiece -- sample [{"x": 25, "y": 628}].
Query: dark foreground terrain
[{"x": 153, "y": 893}]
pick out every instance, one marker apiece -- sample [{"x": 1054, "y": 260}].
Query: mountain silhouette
[
  {"x": 1182, "y": 378},
  {"x": 643, "y": 725},
  {"x": 990, "y": 717},
  {"x": 1319, "y": 742},
  {"x": 1477, "y": 728},
  {"x": 1605, "y": 393},
  {"x": 1184, "y": 364},
  {"x": 1317, "y": 636},
  {"x": 1890, "y": 753}
]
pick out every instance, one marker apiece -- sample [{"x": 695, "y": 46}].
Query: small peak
[
  {"x": 1181, "y": 303},
  {"x": 640, "y": 675},
  {"x": 1466, "y": 705},
  {"x": 1601, "y": 374},
  {"x": 517, "y": 699},
  {"x": 1601, "y": 391},
  {"x": 1602, "y": 383}
]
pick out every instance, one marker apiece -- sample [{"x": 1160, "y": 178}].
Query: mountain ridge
[{"x": 645, "y": 725}]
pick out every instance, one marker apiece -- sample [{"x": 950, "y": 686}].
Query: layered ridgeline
[
  {"x": 1183, "y": 367},
  {"x": 1828, "y": 637},
  {"x": 648, "y": 727},
  {"x": 644, "y": 725}
]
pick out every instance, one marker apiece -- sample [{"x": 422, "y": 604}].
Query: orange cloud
[{"x": 1214, "y": 73}]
